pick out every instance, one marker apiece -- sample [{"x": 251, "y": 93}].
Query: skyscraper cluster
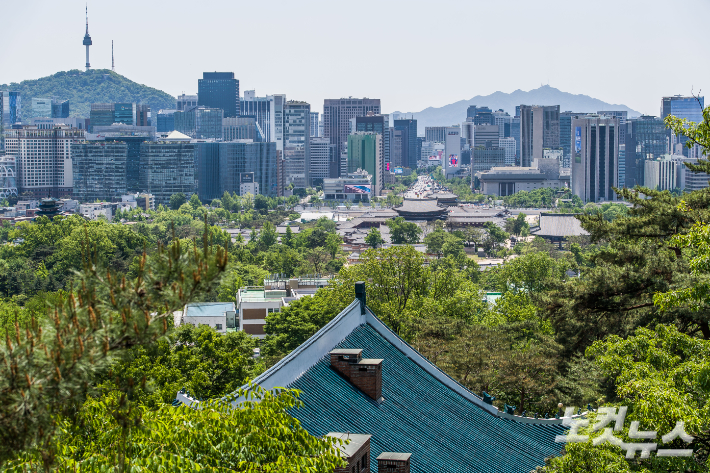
[
  {"x": 595, "y": 151},
  {"x": 219, "y": 140}
]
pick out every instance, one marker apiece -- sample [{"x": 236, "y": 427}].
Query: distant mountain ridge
[
  {"x": 84, "y": 88},
  {"x": 455, "y": 113}
]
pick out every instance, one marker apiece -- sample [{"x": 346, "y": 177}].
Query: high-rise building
[
  {"x": 314, "y": 124},
  {"x": 321, "y": 158},
  {"x": 408, "y": 126},
  {"x": 165, "y": 121},
  {"x": 566, "y": 135},
  {"x": 693, "y": 181},
  {"x": 207, "y": 162},
  {"x": 219, "y": 90},
  {"x": 297, "y": 124},
  {"x": 502, "y": 119},
  {"x": 515, "y": 133},
  {"x": 8, "y": 177},
  {"x": 99, "y": 170},
  {"x": 539, "y": 128},
  {"x": 106, "y": 114},
  {"x": 337, "y": 114},
  {"x": 480, "y": 115},
  {"x": 483, "y": 159},
  {"x": 60, "y": 109},
  {"x": 508, "y": 145},
  {"x": 276, "y": 132},
  {"x": 167, "y": 168},
  {"x": 646, "y": 139},
  {"x": 690, "y": 108},
  {"x": 11, "y": 108},
  {"x": 437, "y": 134},
  {"x": 49, "y": 108},
  {"x": 199, "y": 122},
  {"x": 663, "y": 173},
  {"x": 398, "y": 143},
  {"x": 239, "y": 157},
  {"x": 468, "y": 132},
  {"x": 364, "y": 153},
  {"x": 185, "y": 102},
  {"x": 268, "y": 112},
  {"x": 486, "y": 136},
  {"x": 133, "y": 137},
  {"x": 241, "y": 128},
  {"x": 44, "y": 161},
  {"x": 377, "y": 124},
  {"x": 41, "y": 107},
  {"x": 452, "y": 156},
  {"x": 595, "y": 158}
]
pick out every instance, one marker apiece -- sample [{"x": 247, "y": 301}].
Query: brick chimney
[
  {"x": 356, "y": 453},
  {"x": 391, "y": 462},
  {"x": 363, "y": 373}
]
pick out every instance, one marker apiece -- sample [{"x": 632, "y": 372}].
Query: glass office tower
[
  {"x": 219, "y": 90},
  {"x": 690, "y": 108}
]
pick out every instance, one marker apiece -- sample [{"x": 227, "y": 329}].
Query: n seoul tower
[{"x": 87, "y": 39}]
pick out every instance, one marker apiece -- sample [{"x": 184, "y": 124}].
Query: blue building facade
[
  {"x": 689, "y": 108},
  {"x": 219, "y": 90},
  {"x": 165, "y": 121},
  {"x": 221, "y": 164},
  {"x": 10, "y": 108}
]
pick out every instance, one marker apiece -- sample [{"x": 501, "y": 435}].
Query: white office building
[
  {"x": 509, "y": 145},
  {"x": 452, "y": 161}
]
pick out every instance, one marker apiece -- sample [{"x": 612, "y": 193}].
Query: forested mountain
[{"x": 84, "y": 88}]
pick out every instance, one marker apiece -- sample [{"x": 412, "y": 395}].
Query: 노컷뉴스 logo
[{"x": 609, "y": 415}]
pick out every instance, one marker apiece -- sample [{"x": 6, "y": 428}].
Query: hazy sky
[{"x": 411, "y": 53}]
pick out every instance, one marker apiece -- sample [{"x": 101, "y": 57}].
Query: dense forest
[
  {"x": 84, "y": 88},
  {"x": 90, "y": 361}
]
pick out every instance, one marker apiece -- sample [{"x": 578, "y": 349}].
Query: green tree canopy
[
  {"x": 403, "y": 231},
  {"x": 176, "y": 200},
  {"x": 374, "y": 238}
]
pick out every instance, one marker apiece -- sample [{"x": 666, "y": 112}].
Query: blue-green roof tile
[{"x": 443, "y": 431}]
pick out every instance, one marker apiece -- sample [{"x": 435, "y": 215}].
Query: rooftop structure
[
  {"x": 220, "y": 315},
  {"x": 356, "y": 375},
  {"x": 507, "y": 180},
  {"x": 555, "y": 227},
  {"x": 254, "y": 304},
  {"x": 445, "y": 198},
  {"x": 420, "y": 209}
]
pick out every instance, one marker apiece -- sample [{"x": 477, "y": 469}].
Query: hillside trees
[
  {"x": 636, "y": 256},
  {"x": 84, "y": 88},
  {"x": 49, "y": 367},
  {"x": 260, "y": 435}
]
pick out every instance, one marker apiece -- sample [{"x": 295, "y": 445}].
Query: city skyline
[{"x": 160, "y": 57}]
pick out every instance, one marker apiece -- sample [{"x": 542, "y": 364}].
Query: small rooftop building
[
  {"x": 254, "y": 304},
  {"x": 219, "y": 315}
]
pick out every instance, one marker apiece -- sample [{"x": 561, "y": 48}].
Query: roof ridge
[{"x": 291, "y": 367}]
